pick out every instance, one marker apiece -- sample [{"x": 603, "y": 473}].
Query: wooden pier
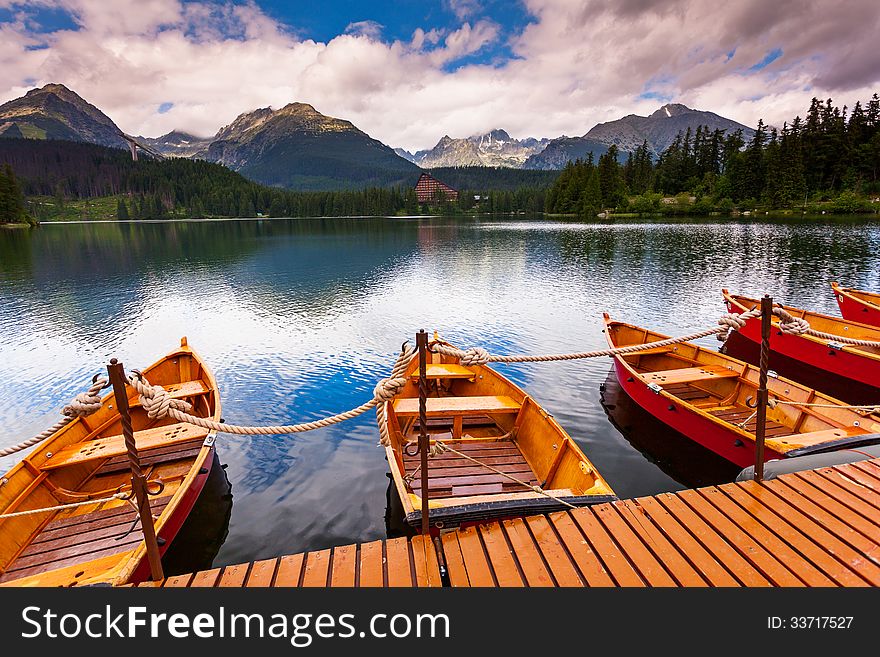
[{"x": 814, "y": 528}]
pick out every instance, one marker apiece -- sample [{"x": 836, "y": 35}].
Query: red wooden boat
[
  {"x": 709, "y": 397},
  {"x": 858, "y": 305},
  {"x": 858, "y": 364}
]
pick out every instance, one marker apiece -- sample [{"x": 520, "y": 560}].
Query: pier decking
[{"x": 813, "y": 528}]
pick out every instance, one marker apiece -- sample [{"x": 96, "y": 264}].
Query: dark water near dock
[{"x": 299, "y": 318}]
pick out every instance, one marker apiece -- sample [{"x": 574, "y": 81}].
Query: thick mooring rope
[
  {"x": 62, "y": 507},
  {"x": 85, "y": 403},
  {"x": 480, "y": 356},
  {"x": 158, "y": 403}
]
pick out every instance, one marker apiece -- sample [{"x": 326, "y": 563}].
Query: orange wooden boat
[
  {"x": 709, "y": 397},
  {"x": 847, "y": 362},
  {"x": 482, "y": 414},
  {"x": 103, "y": 542},
  {"x": 858, "y": 305}
]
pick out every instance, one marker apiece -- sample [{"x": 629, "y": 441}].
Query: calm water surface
[{"x": 299, "y": 318}]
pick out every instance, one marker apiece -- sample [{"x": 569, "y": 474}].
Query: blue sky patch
[
  {"x": 769, "y": 58},
  {"x": 165, "y": 107}
]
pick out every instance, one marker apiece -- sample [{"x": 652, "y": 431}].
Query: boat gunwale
[
  {"x": 742, "y": 380},
  {"x": 447, "y": 505},
  {"x": 846, "y": 348},
  {"x": 128, "y": 561}
]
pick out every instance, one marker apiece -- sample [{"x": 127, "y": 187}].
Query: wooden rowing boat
[
  {"x": 103, "y": 542},
  {"x": 709, "y": 397},
  {"x": 848, "y": 362},
  {"x": 858, "y": 305},
  {"x": 490, "y": 422}
]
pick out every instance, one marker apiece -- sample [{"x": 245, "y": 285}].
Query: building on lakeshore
[{"x": 428, "y": 186}]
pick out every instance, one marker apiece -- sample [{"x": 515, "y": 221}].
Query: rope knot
[
  {"x": 790, "y": 324},
  {"x": 474, "y": 356},
  {"x": 157, "y": 401},
  {"x": 387, "y": 389},
  {"x": 85, "y": 403}
]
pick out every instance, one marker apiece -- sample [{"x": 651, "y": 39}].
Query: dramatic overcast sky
[{"x": 409, "y": 71}]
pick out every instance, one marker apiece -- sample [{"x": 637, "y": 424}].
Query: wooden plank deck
[{"x": 814, "y": 528}]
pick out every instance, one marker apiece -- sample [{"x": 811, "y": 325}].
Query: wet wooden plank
[
  {"x": 527, "y": 554},
  {"x": 344, "y": 564},
  {"x": 177, "y": 581},
  {"x": 754, "y": 522},
  {"x": 796, "y": 532},
  {"x": 693, "y": 550},
  {"x": 455, "y": 566},
  {"x": 372, "y": 565},
  {"x": 398, "y": 562},
  {"x": 477, "y": 566},
  {"x": 289, "y": 570},
  {"x": 317, "y": 567},
  {"x": 426, "y": 564},
  {"x": 643, "y": 560},
  {"x": 845, "y": 533},
  {"x": 615, "y": 561},
  {"x": 500, "y": 555},
  {"x": 802, "y": 493},
  {"x": 262, "y": 573},
  {"x": 588, "y": 563},
  {"x": 664, "y": 550},
  {"x": 745, "y": 544},
  {"x": 827, "y": 541},
  {"x": 554, "y": 553},
  {"x": 205, "y": 578},
  {"x": 714, "y": 541},
  {"x": 842, "y": 494},
  {"x": 234, "y": 576},
  {"x": 868, "y": 500},
  {"x": 485, "y": 489}
]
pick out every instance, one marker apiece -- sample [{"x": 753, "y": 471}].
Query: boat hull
[
  {"x": 204, "y": 463},
  {"x": 845, "y": 363},
  {"x": 856, "y": 310},
  {"x": 703, "y": 431}
]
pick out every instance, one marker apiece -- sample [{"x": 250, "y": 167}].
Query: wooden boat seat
[
  {"x": 818, "y": 437},
  {"x": 446, "y": 371},
  {"x": 102, "y": 448},
  {"x": 179, "y": 391},
  {"x": 456, "y": 406},
  {"x": 689, "y": 374}
]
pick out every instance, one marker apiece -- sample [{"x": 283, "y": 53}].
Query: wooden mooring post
[
  {"x": 422, "y": 345},
  {"x": 764, "y": 364},
  {"x": 138, "y": 482}
]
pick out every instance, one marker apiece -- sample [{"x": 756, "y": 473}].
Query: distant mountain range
[
  {"x": 658, "y": 130},
  {"x": 297, "y": 147},
  {"x": 493, "y": 149}
]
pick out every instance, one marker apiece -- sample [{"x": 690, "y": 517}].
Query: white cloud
[
  {"x": 370, "y": 29},
  {"x": 576, "y": 64}
]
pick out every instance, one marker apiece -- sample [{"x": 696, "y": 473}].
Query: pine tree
[{"x": 121, "y": 211}]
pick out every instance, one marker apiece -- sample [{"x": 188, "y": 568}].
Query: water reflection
[
  {"x": 690, "y": 464},
  {"x": 197, "y": 543},
  {"x": 298, "y": 318}
]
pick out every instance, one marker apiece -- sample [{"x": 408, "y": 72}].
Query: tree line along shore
[{"x": 827, "y": 162}]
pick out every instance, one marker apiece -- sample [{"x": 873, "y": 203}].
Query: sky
[{"x": 409, "y": 72}]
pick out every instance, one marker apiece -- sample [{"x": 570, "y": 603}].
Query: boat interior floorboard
[{"x": 451, "y": 475}]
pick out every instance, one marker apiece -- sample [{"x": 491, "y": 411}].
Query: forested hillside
[
  {"x": 831, "y": 156},
  {"x": 53, "y": 174}
]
